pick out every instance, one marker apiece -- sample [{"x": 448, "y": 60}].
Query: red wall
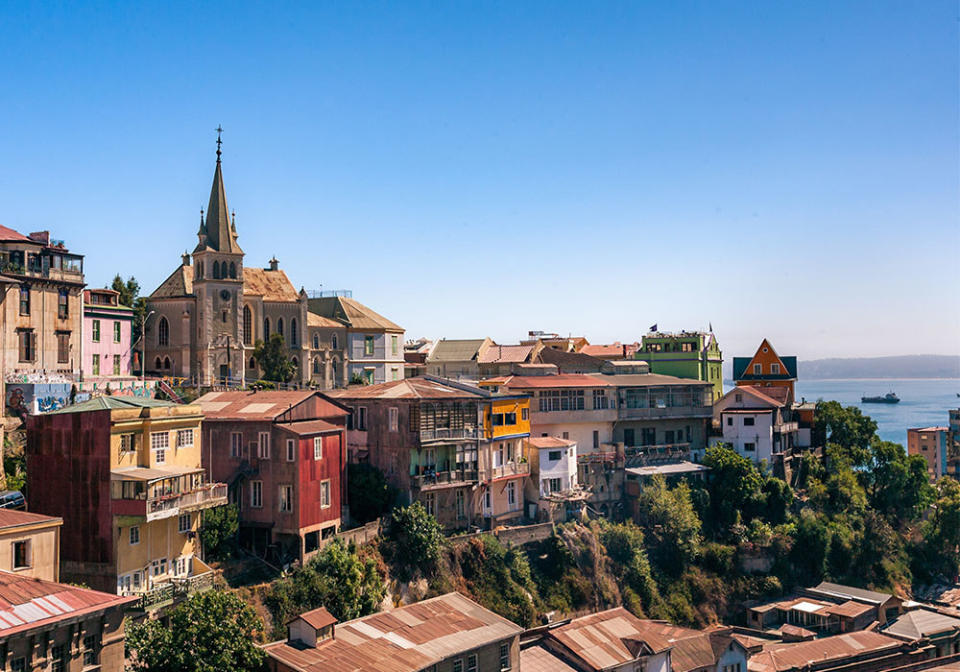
[{"x": 312, "y": 472}]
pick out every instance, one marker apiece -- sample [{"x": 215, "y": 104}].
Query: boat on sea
[{"x": 888, "y": 398}]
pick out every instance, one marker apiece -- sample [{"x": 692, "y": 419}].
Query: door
[
  {"x": 628, "y": 437},
  {"x": 224, "y": 372}
]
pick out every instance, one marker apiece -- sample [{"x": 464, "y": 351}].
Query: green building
[{"x": 688, "y": 354}]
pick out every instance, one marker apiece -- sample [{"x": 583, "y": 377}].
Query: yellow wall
[
  {"x": 144, "y": 422},
  {"x": 158, "y": 539},
  {"x": 517, "y": 406},
  {"x": 44, "y": 550}
]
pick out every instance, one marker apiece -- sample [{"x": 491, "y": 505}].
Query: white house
[{"x": 757, "y": 425}]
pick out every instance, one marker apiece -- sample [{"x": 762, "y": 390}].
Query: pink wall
[{"x": 106, "y": 348}]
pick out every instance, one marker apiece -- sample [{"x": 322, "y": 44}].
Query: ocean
[{"x": 923, "y": 402}]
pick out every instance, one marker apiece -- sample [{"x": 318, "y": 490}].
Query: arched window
[
  {"x": 157, "y": 364},
  {"x": 233, "y": 270},
  {"x": 247, "y": 326},
  {"x": 333, "y": 371},
  {"x": 280, "y": 326},
  {"x": 316, "y": 365},
  {"x": 163, "y": 332},
  {"x": 333, "y": 342},
  {"x": 293, "y": 332},
  {"x": 252, "y": 364},
  {"x": 266, "y": 329},
  {"x": 166, "y": 362},
  {"x": 216, "y": 270},
  {"x": 316, "y": 341}
]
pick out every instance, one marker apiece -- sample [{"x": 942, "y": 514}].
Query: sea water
[{"x": 923, "y": 402}]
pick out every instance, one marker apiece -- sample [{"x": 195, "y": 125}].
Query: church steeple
[{"x": 220, "y": 235}]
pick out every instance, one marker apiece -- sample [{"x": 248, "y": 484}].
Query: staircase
[{"x": 167, "y": 390}]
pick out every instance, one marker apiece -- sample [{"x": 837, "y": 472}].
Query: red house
[{"x": 282, "y": 455}]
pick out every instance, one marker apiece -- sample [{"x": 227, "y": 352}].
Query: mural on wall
[{"x": 25, "y": 399}]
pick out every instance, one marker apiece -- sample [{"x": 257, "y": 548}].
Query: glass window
[
  {"x": 393, "y": 418},
  {"x": 159, "y": 443},
  {"x": 96, "y": 365},
  {"x": 91, "y": 647},
  {"x": 63, "y": 304},
  {"x": 63, "y": 347},
  {"x": 504, "y": 656},
  {"x": 24, "y": 299},
  {"x": 286, "y": 498},
  {"x": 27, "y": 345},
  {"x": 116, "y": 331},
  {"x": 263, "y": 445},
  {"x": 325, "y": 494},
  {"x": 256, "y": 494},
  {"x": 184, "y": 524},
  {"x": 318, "y": 448},
  {"x": 236, "y": 444},
  {"x": 116, "y": 365},
  {"x": 163, "y": 332},
  {"x": 291, "y": 450},
  {"x": 21, "y": 554},
  {"x": 184, "y": 438},
  {"x": 134, "y": 535},
  {"x": 368, "y": 346}
]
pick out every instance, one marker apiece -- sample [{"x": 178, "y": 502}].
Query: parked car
[{"x": 12, "y": 499}]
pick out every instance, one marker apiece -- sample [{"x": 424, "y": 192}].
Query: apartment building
[
  {"x": 107, "y": 329},
  {"x": 125, "y": 475},
  {"x": 283, "y": 455},
  {"x": 685, "y": 354},
  {"x": 757, "y": 422},
  {"x": 931, "y": 444},
  {"x": 449, "y": 633}
]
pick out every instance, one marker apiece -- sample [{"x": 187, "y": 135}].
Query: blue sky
[{"x": 787, "y": 170}]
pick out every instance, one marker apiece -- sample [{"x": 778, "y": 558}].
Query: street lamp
[{"x": 143, "y": 345}]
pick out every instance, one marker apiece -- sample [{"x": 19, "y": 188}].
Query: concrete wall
[{"x": 44, "y": 550}]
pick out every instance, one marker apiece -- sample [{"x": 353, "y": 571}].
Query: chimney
[
  {"x": 311, "y": 629},
  {"x": 274, "y": 264}
]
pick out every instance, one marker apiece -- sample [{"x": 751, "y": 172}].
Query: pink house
[{"x": 107, "y": 328}]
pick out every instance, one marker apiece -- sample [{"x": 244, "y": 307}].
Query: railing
[
  {"x": 447, "y": 434},
  {"x": 178, "y": 588},
  {"x": 171, "y": 505},
  {"x": 428, "y": 480},
  {"x": 665, "y": 451},
  {"x": 626, "y": 413},
  {"x": 328, "y": 293},
  {"x": 510, "y": 469}
]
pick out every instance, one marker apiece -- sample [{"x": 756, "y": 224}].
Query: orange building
[{"x": 766, "y": 369}]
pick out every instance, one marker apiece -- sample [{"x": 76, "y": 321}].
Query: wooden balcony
[{"x": 443, "y": 479}]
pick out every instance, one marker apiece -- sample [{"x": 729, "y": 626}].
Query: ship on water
[{"x": 888, "y": 398}]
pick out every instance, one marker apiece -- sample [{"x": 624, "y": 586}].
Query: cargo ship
[{"x": 888, "y": 398}]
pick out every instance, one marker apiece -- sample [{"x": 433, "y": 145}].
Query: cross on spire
[{"x": 219, "y": 141}]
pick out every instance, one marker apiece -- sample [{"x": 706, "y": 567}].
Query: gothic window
[
  {"x": 216, "y": 270},
  {"x": 166, "y": 362},
  {"x": 233, "y": 270},
  {"x": 316, "y": 341},
  {"x": 253, "y": 363},
  {"x": 293, "y": 332},
  {"x": 200, "y": 270},
  {"x": 316, "y": 365},
  {"x": 157, "y": 364},
  {"x": 280, "y": 326},
  {"x": 266, "y": 329},
  {"x": 163, "y": 332},
  {"x": 247, "y": 326}
]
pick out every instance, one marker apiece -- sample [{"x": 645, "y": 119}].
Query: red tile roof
[
  {"x": 9, "y": 235},
  {"x": 27, "y": 603}
]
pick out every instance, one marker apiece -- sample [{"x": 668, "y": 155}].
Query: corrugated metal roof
[
  {"x": 457, "y": 350},
  {"x": 104, "y": 403},
  {"x": 921, "y": 623},
  {"x": 307, "y": 427},
  {"x": 241, "y": 405},
  {"x": 683, "y": 467},
  {"x": 505, "y": 354},
  {"x": 850, "y": 592},
  {"x": 11, "y": 518},
  {"x": 151, "y": 474},
  {"x": 351, "y": 313},
  {"x": 549, "y": 442},
  {"x": 539, "y": 659},
  {"x": 608, "y": 638},
  {"x": 408, "y": 388},
  {"x": 778, "y": 657},
  {"x": 407, "y": 639}
]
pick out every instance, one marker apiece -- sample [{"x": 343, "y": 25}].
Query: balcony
[
  {"x": 665, "y": 412},
  {"x": 206, "y": 497},
  {"x": 448, "y": 434},
  {"x": 653, "y": 454},
  {"x": 158, "y": 493},
  {"x": 178, "y": 588},
  {"x": 509, "y": 469},
  {"x": 443, "y": 479}
]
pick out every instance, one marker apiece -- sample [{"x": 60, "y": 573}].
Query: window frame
[
  {"x": 27, "y": 559},
  {"x": 256, "y": 494},
  {"x": 133, "y": 535},
  {"x": 236, "y": 444},
  {"x": 180, "y": 528},
  {"x": 263, "y": 445},
  {"x": 159, "y": 452},
  {"x": 325, "y": 494},
  {"x": 317, "y": 448}
]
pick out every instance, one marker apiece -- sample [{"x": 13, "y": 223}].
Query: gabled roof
[
  {"x": 177, "y": 285},
  {"x": 9, "y": 518},
  {"x": 28, "y": 604},
  {"x": 243, "y": 405},
  {"x": 411, "y": 388},
  {"x": 8, "y": 235},
  {"x": 407, "y": 639},
  {"x": 457, "y": 350},
  {"x": 351, "y": 313},
  {"x": 314, "y": 320},
  {"x": 505, "y": 354},
  {"x": 571, "y": 362},
  {"x": 273, "y": 286},
  {"x": 758, "y": 397},
  {"x": 838, "y": 590},
  {"x": 921, "y": 623},
  {"x": 539, "y": 659},
  {"x": 608, "y": 638},
  {"x": 741, "y": 365},
  {"x": 104, "y": 403},
  {"x": 782, "y": 657},
  {"x": 318, "y": 618}
]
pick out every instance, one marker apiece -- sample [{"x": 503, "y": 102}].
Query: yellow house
[
  {"x": 504, "y": 465},
  {"x": 152, "y": 491},
  {"x": 30, "y": 544}
]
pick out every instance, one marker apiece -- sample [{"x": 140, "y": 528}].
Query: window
[
  {"x": 393, "y": 415},
  {"x": 95, "y": 366},
  {"x": 291, "y": 450},
  {"x": 496, "y": 419},
  {"x": 749, "y": 447},
  {"x": 561, "y": 400},
  {"x": 333, "y": 341},
  {"x": 775, "y": 369},
  {"x": 280, "y": 326},
  {"x": 184, "y": 524},
  {"x": 505, "y": 656},
  {"x": 286, "y": 498},
  {"x": 184, "y": 438},
  {"x": 458, "y": 665},
  {"x": 127, "y": 443},
  {"x": 509, "y": 418},
  {"x": 116, "y": 365},
  {"x": 511, "y": 493},
  {"x": 263, "y": 445},
  {"x": 247, "y": 326},
  {"x": 134, "y": 535},
  {"x": 63, "y": 347},
  {"x": 553, "y": 485},
  {"x": 293, "y": 332},
  {"x": 368, "y": 346},
  {"x": 524, "y": 413},
  {"x": 18, "y": 664},
  {"x": 757, "y": 369},
  {"x": 600, "y": 400},
  {"x": 461, "y": 504},
  {"x": 318, "y": 448},
  {"x": 24, "y": 299},
  {"x": 566, "y": 436},
  {"x": 395, "y": 345},
  {"x": 91, "y": 646},
  {"x": 116, "y": 331},
  {"x": 729, "y": 421},
  {"x": 394, "y": 373},
  {"x": 58, "y": 658},
  {"x": 266, "y": 329},
  {"x": 163, "y": 332},
  {"x": 554, "y": 455},
  {"x": 256, "y": 494},
  {"x": 159, "y": 442},
  {"x": 738, "y": 398},
  {"x": 316, "y": 365},
  {"x": 236, "y": 444},
  {"x": 21, "y": 554},
  {"x": 362, "y": 418},
  {"x": 316, "y": 341},
  {"x": 430, "y": 501},
  {"x": 748, "y": 422},
  {"x": 325, "y": 494},
  {"x": 472, "y": 663},
  {"x": 27, "y": 345}
]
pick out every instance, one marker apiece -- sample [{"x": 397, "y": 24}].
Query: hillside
[{"x": 903, "y": 366}]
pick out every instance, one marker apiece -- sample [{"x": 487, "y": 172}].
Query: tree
[
  {"x": 940, "y": 548},
  {"x": 273, "y": 361},
  {"x": 671, "y": 525},
  {"x": 416, "y": 539},
  {"x": 624, "y": 546},
  {"x": 847, "y": 429},
  {"x": 897, "y": 484},
  {"x": 130, "y": 296},
  {"x": 368, "y": 492},
  {"x": 735, "y": 487},
  {"x": 336, "y": 578},
  {"x": 219, "y": 531},
  {"x": 213, "y": 631}
]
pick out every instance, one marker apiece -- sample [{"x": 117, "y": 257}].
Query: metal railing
[
  {"x": 509, "y": 469},
  {"x": 170, "y": 505},
  {"x": 625, "y": 413},
  {"x": 177, "y": 588},
  {"x": 447, "y": 434},
  {"x": 444, "y": 478}
]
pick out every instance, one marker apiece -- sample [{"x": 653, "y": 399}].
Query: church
[{"x": 206, "y": 317}]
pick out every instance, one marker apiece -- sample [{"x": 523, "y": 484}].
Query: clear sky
[{"x": 780, "y": 169}]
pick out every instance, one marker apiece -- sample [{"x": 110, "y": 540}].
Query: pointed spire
[{"x": 219, "y": 233}]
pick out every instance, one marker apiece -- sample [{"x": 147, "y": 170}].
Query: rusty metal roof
[
  {"x": 409, "y": 388},
  {"x": 318, "y": 618},
  {"x": 609, "y": 638},
  {"x": 254, "y": 406},
  {"x": 539, "y": 659},
  {"x": 781, "y": 657},
  {"x": 308, "y": 427},
  {"x": 407, "y": 639},
  {"x": 11, "y": 518}
]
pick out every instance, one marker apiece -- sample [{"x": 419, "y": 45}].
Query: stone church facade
[{"x": 209, "y": 313}]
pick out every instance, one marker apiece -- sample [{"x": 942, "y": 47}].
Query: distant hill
[{"x": 903, "y": 366}]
